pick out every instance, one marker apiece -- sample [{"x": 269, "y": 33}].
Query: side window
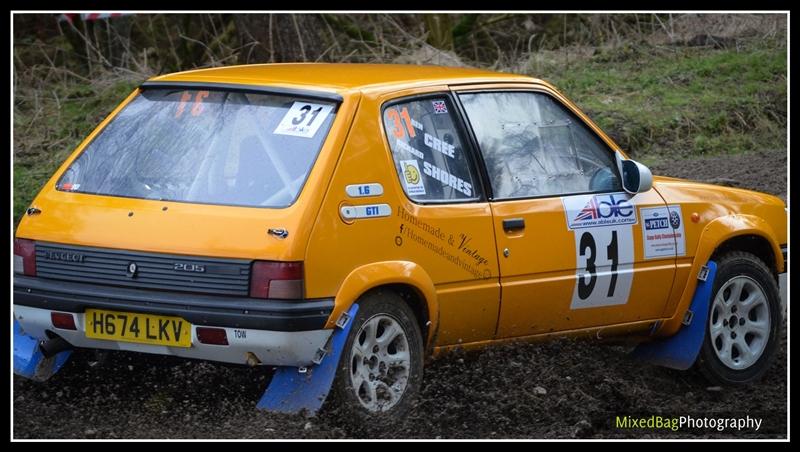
[
  {"x": 533, "y": 146},
  {"x": 429, "y": 152}
]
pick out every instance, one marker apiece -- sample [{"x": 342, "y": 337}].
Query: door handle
[{"x": 512, "y": 224}]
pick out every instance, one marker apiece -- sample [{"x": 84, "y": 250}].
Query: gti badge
[{"x": 132, "y": 269}]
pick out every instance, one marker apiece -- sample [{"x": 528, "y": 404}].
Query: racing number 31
[
  {"x": 604, "y": 266},
  {"x": 399, "y": 131},
  {"x": 588, "y": 245},
  {"x": 302, "y": 116}
]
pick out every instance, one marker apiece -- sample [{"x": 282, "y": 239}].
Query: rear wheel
[
  {"x": 743, "y": 323},
  {"x": 380, "y": 371}
]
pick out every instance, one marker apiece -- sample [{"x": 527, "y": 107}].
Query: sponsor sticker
[
  {"x": 412, "y": 177},
  {"x": 303, "y": 119},
  {"x": 662, "y": 231},
  {"x": 592, "y": 211}
]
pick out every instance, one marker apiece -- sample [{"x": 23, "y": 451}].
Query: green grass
[
  {"x": 660, "y": 103},
  {"x": 50, "y": 120}
]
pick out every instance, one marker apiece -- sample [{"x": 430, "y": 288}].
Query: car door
[
  {"x": 569, "y": 239},
  {"x": 444, "y": 219}
]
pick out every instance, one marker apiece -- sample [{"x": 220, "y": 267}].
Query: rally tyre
[
  {"x": 744, "y": 321},
  {"x": 380, "y": 371}
]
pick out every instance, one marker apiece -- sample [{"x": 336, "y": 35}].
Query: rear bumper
[
  {"x": 280, "y": 333},
  {"x": 223, "y": 311}
]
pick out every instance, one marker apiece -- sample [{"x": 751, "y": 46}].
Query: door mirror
[{"x": 636, "y": 178}]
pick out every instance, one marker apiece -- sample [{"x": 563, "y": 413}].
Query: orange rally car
[{"x": 342, "y": 222}]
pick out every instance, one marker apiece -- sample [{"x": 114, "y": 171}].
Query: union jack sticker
[{"x": 439, "y": 107}]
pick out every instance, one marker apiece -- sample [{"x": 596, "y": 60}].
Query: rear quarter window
[{"x": 428, "y": 149}]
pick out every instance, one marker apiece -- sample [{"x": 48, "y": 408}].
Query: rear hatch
[{"x": 183, "y": 176}]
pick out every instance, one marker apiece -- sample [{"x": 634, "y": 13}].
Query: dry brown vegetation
[
  {"x": 662, "y": 85},
  {"x": 148, "y": 44}
]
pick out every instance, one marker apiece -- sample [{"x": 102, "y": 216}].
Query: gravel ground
[
  {"x": 764, "y": 171},
  {"x": 560, "y": 389}
]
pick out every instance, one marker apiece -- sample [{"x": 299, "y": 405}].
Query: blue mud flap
[
  {"x": 28, "y": 359},
  {"x": 680, "y": 350},
  {"x": 293, "y": 392}
]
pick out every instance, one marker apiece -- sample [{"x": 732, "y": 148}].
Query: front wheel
[
  {"x": 743, "y": 323},
  {"x": 380, "y": 371}
]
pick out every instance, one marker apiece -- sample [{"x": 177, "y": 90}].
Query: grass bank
[
  {"x": 678, "y": 102},
  {"x": 658, "y": 102},
  {"x": 51, "y": 117}
]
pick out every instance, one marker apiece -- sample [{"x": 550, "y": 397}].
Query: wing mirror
[{"x": 636, "y": 178}]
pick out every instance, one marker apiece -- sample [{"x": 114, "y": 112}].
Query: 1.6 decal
[{"x": 364, "y": 190}]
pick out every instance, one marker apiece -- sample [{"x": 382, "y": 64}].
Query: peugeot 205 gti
[{"x": 370, "y": 216}]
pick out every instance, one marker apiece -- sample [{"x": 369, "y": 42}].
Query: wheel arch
[
  {"x": 729, "y": 232},
  {"x": 756, "y": 244},
  {"x": 408, "y": 279}
]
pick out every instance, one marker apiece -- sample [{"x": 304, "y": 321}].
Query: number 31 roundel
[{"x": 603, "y": 228}]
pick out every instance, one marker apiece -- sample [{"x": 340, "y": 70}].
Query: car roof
[{"x": 341, "y": 77}]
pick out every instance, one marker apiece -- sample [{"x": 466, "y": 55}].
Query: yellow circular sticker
[{"x": 412, "y": 174}]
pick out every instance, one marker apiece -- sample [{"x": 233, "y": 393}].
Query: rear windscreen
[{"x": 209, "y": 147}]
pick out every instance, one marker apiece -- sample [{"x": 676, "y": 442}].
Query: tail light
[
  {"x": 24, "y": 257},
  {"x": 281, "y": 280}
]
